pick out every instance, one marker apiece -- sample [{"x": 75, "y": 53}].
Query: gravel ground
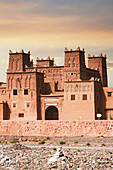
[{"x": 98, "y": 154}]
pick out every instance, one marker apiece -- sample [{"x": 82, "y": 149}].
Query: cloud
[{"x": 61, "y": 16}]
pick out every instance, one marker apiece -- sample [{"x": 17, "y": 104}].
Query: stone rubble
[{"x": 20, "y": 157}]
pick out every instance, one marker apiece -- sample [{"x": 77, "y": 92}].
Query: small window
[
  {"x": 28, "y": 104},
  {"x": 71, "y": 73},
  {"x": 109, "y": 94},
  {"x": 84, "y": 97},
  {"x": 21, "y": 115},
  {"x": 14, "y": 105},
  {"x": 14, "y": 92},
  {"x": 72, "y": 97},
  {"x": 25, "y": 91}
]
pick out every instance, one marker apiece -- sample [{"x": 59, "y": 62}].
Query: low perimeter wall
[{"x": 56, "y": 128}]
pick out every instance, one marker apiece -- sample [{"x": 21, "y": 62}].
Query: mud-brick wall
[{"x": 56, "y": 128}]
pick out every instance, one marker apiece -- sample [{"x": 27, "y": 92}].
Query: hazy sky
[{"x": 46, "y": 27}]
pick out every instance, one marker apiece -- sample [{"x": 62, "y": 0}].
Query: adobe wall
[
  {"x": 56, "y": 128},
  {"x": 78, "y": 109}
]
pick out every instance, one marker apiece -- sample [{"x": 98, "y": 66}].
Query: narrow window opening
[
  {"x": 72, "y": 97},
  {"x": 14, "y": 92},
  {"x": 21, "y": 115},
  {"x": 25, "y": 91},
  {"x": 109, "y": 94},
  {"x": 84, "y": 97}
]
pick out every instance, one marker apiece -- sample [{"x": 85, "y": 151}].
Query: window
[
  {"x": 25, "y": 91},
  {"x": 28, "y": 104},
  {"x": 84, "y": 97},
  {"x": 14, "y": 92},
  {"x": 72, "y": 97},
  {"x": 71, "y": 73},
  {"x": 109, "y": 94},
  {"x": 21, "y": 115},
  {"x": 14, "y": 105}
]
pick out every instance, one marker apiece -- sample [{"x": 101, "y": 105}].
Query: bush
[
  {"x": 88, "y": 144},
  {"x": 54, "y": 149},
  {"x": 48, "y": 138},
  {"x": 102, "y": 136},
  {"x": 42, "y": 142},
  {"x": 103, "y": 144},
  {"x": 62, "y": 142},
  {"x": 14, "y": 141},
  {"x": 75, "y": 142},
  {"x": 35, "y": 140},
  {"x": 82, "y": 135},
  {"x": 78, "y": 150}
]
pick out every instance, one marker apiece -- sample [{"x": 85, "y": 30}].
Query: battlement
[
  {"x": 20, "y": 52},
  {"x": 45, "y": 62},
  {"x": 100, "y": 56},
  {"x": 77, "y": 50}
]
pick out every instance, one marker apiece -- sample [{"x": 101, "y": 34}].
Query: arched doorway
[{"x": 51, "y": 113}]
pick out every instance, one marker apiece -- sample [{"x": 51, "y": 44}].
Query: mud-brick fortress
[{"x": 49, "y": 92}]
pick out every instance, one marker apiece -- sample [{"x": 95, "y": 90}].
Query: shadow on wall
[
  {"x": 46, "y": 89},
  {"x": 6, "y": 112}
]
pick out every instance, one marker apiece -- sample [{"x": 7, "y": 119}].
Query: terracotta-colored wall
[
  {"x": 99, "y": 63},
  {"x": 52, "y": 74},
  {"x": 3, "y": 91},
  {"x": 78, "y": 109},
  {"x": 45, "y": 63},
  {"x": 30, "y": 81},
  {"x": 109, "y": 102},
  {"x": 1, "y": 111},
  {"x": 57, "y": 128}
]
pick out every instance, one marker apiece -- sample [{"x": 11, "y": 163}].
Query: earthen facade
[{"x": 48, "y": 92}]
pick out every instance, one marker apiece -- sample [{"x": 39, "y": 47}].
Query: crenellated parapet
[
  {"x": 100, "y": 55},
  {"x": 45, "y": 62},
  {"x": 18, "y": 52},
  {"x": 78, "y": 49}
]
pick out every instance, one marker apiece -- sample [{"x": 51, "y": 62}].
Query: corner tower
[
  {"x": 19, "y": 61},
  {"x": 74, "y": 64},
  {"x": 99, "y": 63}
]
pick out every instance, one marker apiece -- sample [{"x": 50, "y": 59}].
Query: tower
[
  {"x": 99, "y": 63},
  {"x": 18, "y": 61},
  {"x": 74, "y": 64}
]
